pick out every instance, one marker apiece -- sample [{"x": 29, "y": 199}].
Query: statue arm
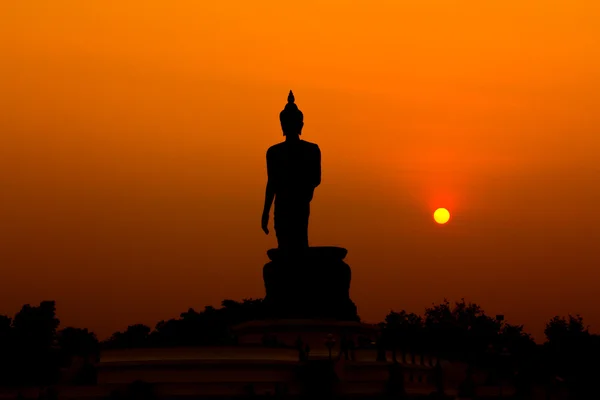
[
  {"x": 270, "y": 190},
  {"x": 317, "y": 176}
]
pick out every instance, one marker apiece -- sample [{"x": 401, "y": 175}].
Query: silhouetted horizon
[{"x": 460, "y": 332}]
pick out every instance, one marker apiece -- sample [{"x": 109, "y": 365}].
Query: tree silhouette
[
  {"x": 5, "y": 328},
  {"x": 134, "y": 336},
  {"x": 31, "y": 349},
  {"x": 7, "y": 350},
  {"x": 563, "y": 331},
  {"x": 36, "y": 326},
  {"x": 402, "y": 331},
  {"x": 211, "y": 326},
  {"x": 80, "y": 344},
  {"x": 572, "y": 354},
  {"x": 462, "y": 332},
  {"x": 34, "y": 333}
]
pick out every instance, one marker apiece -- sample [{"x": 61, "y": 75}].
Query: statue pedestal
[
  {"x": 307, "y": 298},
  {"x": 314, "y": 284}
]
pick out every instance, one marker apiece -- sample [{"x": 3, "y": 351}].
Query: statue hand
[{"x": 265, "y": 223}]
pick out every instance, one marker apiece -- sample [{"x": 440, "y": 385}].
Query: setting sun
[{"x": 441, "y": 215}]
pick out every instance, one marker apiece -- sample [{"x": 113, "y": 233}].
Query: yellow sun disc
[{"x": 441, "y": 216}]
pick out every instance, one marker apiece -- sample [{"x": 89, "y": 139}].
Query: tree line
[{"x": 33, "y": 350}]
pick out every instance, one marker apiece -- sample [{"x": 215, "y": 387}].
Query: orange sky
[{"x": 133, "y": 138}]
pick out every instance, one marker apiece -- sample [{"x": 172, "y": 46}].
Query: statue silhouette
[
  {"x": 300, "y": 281},
  {"x": 294, "y": 171}
]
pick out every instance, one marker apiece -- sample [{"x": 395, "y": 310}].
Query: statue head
[{"x": 291, "y": 118}]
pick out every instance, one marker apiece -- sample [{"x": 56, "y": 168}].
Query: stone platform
[
  {"x": 313, "y": 284},
  {"x": 242, "y": 371},
  {"x": 312, "y": 332}
]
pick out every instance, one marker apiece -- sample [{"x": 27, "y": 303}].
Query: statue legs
[{"x": 291, "y": 226}]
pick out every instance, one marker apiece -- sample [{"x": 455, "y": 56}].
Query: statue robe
[{"x": 294, "y": 171}]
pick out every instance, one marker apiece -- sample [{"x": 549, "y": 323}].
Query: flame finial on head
[{"x": 291, "y": 98}]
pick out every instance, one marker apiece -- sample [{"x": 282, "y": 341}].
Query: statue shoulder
[
  {"x": 276, "y": 148},
  {"x": 312, "y": 146}
]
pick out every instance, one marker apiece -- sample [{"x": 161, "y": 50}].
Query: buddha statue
[{"x": 293, "y": 173}]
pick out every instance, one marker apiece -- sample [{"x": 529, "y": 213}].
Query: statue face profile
[{"x": 293, "y": 172}]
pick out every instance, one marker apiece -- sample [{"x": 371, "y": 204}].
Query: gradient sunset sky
[{"x": 133, "y": 138}]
